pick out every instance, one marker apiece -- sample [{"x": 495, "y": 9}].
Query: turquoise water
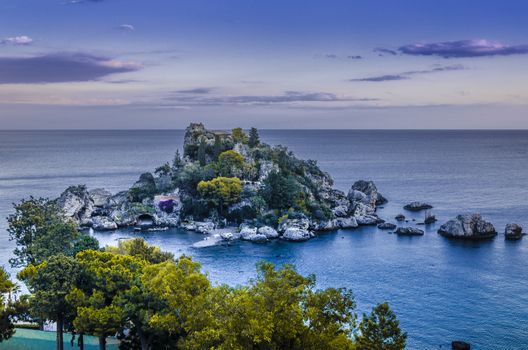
[
  {"x": 28, "y": 339},
  {"x": 441, "y": 289}
]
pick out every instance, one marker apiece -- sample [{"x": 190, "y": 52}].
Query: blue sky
[{"x": 274, "y": 64}]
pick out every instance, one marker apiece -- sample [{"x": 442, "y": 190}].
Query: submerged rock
[
  {"x": 460, "y": 345},
  {"x": 417, "y": 206},
  {"x": 386, "y": 226},
  {"x": 296, "y": 234},
  {"x": 513, "y": 231},
  {"x": 400, "y": 217},
  {"x": 469, "y": 226},
  {"x": 409, "y": 231}
]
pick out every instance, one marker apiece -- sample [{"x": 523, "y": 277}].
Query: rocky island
[{"x": 229, "y": 180}]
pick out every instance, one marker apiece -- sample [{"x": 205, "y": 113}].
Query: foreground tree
[
  {"x": 41, "y": 231},
  {"x": 106, "y": 277},
  {"x": 380, "y": 330},
  {"x": 239, "y": 135},
  {"x": 279, "y": 310},
  {"x": 50, "y": 282},
  {"x": 7, "y": 328}
]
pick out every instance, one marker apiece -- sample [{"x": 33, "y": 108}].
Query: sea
[{"x": 440, "y": 289}]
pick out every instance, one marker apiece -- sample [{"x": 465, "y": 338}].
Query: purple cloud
[
  {"x": 380, "y": 78},
  {"x": 201, "y": 90},
  {"x": 21, "y": 40},
  {"x": 408, "y": 74},
  {"x": 464, "y": 48},
  {"x": 382, "y": 52},
  {"x": 60, "y": 67}
]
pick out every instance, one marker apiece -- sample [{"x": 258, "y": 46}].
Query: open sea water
[{"x": 440, "y": 289}]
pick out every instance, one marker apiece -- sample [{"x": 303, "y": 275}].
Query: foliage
[
  {"x": 189, "y": 177},
  {"x": 279, "y": 310},
  {"x": 280, "y": 191},
  {"x": 202, "y": 156},
  {"x": 138, "y": 248},
  {"x": 41, "y": 231},
  {"x": 50, "y": 282},
  {"x": 239, "y": 136},
  {"x": 106, "y": 279},
  {"x": 230, "y": 163},
  {"x": 165, "y": 169},
  {"x": 177, "y": 162},
  {"x": 381, "y": 330},
  {"x": 222, "y": 191},
  {"x": 145, "y": 187},
  {"x": 254, "y": 139},
  {"x": 7, "y": 309}
]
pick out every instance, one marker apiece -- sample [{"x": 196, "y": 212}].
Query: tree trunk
[
  {"x": 102, "y": 342},
  {"x": 80, "y": 342},
  {"x": 60, "y": 338}
]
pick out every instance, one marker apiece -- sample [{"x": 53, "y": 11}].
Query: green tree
[
  {"x": 50, "y": 282},
  {"x": 138, "y": 248},
  {"x": 177, "y": 292},
  {"x": 280, "y": 191},
  {"x": 231, "y": 163},
  {"x": 254, "y": 139},
  {"x": 7, "y": 328},
  {"x": 106, "y": 278},
  {"x": 279, "y": 310},
  {"x": 202, "y": 156},
  {"x": 381, "y": 330},
  {"x": 40, "y": 231},
  {"x": 222, "y": 191},
  {"x": 177, "y": 162},
  {"x": 239, "y": 136}
]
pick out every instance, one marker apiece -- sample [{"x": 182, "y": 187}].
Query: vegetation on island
[
  {"x": 150, "y": 299},
  {"x": 234, "y": 176}
]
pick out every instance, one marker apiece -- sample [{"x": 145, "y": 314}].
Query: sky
[{"x": 333, "y": 64}]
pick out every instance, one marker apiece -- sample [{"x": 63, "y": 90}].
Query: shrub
[{"x": 222, "y": 191}]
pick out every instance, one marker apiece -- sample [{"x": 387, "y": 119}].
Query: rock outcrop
[
  {"x": 513, "y": 232},
  {"x": 417, "y": 206},
  {"x": 296, "y": 234},
  {"x": 469, "y": 226},
  {"x": 409, "y": 231},
  {"x": 386, "y": 226}
]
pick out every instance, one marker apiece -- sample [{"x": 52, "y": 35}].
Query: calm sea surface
[{"x": 441, "y": 289}]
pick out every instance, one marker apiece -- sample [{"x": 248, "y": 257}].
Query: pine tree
[
  {"x": 254, "y": 139},
  {"x": 380, "y": 330},
  {"x": 201, "y": 153}
]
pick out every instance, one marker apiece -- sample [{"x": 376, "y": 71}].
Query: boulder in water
[
  {"x": 296, "y": 234},
  {"x": 417, "y": 206},
  {"x": 400, "y": 217},
  {"x": 386, "y": 226},
  {"x": 469, "y": 226},
  {"x": 513, "y": 232},
  {"x": 268, "y": 232},
  {"x": 409, "y": 231}
]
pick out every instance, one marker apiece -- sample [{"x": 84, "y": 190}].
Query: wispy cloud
[
  {"x": 464, "y": 48},
  {"x": 284, "y": 98},
  {"x": 199, "y": 91},
  {"x": 408, "y": 74},
  {"x": 333, "y": 56},
  {"x": 382, "y": 52},
  {"x": 60, "y": 67},
  {"x": 21, "y": 40},
  {"x": 126, "y": 27}
]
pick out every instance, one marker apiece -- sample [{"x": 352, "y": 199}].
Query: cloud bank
[
  {"x": 464, "y": 48},
  {"x": 284, "y": 98},
  {"x": 60, "y": 67},
  {"x": 408, "y": 74}
]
